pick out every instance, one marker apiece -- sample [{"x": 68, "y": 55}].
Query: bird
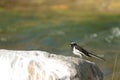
[{"x": 79, "y": 51}]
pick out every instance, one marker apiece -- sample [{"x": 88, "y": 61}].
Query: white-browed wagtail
[{"x": 79, "y": 51}]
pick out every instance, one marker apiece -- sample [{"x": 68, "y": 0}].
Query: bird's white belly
[{"x": 77, "y": 52}]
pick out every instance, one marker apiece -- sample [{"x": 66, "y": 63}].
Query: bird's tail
[{"x": 93, "y": 55}]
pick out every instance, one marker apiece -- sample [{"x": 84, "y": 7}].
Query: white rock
[{"x": 40, "y": 65}]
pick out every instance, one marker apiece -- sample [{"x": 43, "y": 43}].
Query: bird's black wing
[
  {"x": 83, "y": 51},
  {"x": 88, "y": 53}
]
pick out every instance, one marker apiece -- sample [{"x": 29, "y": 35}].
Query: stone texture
[{"x": 40, "y": 65}]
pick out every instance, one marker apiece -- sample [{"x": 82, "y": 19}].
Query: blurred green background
[{"x": 51, "y": 25}]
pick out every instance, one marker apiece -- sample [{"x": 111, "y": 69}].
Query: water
[{"x": 99, "y": 34}]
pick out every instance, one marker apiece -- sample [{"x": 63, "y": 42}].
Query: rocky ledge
[{"x": 41, "y": 65}]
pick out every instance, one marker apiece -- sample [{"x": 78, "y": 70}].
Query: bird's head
[{"x": 73, "y": 43}]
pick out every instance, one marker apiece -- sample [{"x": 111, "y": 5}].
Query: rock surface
[{"x": 40, "y": 65}]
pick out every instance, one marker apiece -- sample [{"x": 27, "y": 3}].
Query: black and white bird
[{"x": 79, "y": 51}]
